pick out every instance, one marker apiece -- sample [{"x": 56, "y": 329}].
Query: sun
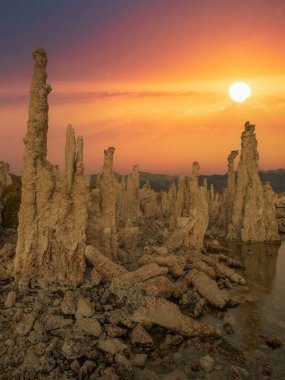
[{"x": 239, "y": 92}]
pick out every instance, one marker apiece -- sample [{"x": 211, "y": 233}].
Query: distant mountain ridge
[{"x": 162, "y": 181}]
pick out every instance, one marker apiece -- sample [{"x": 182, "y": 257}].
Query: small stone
[
  {"x": 25, "y": 325},
  {"x": 75, "y": 366},
  {"x": 140, "y": 337},
  {"x": 112, "y": 346},
  {"x": 207, "y": 363},
  {"x": 116, "y": 331},
  {"x": 88, "y": 326},
  {"x": 52, "y": 344},
  {"x": 84, "y": 309},
  {"x": 177, "y": 356},
  {"x": 9, "y": 342},
  {"x": 39, "y": 348},
  {"x": 68, "y": 304},
  {"x": 54, "y": 322},
  {"x": 10, "y": 299},
  {"x": 173, "y": 340},
  {"x": 139, "y": 360},
  {"x": 123, "y": 361},
  {"x": 56, "y": 302},
  {"x": 73, "y": 349}
]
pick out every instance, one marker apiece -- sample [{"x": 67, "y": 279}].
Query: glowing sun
[{"x": 239, "y": 92}]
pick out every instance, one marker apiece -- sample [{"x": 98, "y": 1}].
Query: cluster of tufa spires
[{"x": 62, "y": 214}]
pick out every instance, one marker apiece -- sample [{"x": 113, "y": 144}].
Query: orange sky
[{"x": 153, "y": 82}]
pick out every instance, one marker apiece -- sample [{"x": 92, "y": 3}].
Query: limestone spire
[
  {"x": 231, "y": 170},
  {"x": 252, "y": 216},
  {"x": 79, "y": 156},
  {"x": 70, "y": 155},
  {"x": 53, "y": 211},
  {"x": 36, "y": 137}
]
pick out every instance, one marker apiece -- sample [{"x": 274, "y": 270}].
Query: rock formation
[
  {"x": 102, "y": 232},
  {"x": 226, "y": 200},
  {"x": 191, "y": 216},
  {"x": 213, "y": 199},
  {"x": 53, "y": 212},
  {"x": 198, "y": 208},
  {"x": 280, "y": 212},
  {"x": 253, "y": 213},
  {"x": 128, "y": 204},
  {"x": 148, "y": 201},
  {"x": 5, "y": 180}
]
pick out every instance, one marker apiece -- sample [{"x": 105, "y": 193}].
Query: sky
[{"x": 149, "y": 77}]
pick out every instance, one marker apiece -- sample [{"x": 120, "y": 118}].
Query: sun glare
[{"x": 239, "y": 92}]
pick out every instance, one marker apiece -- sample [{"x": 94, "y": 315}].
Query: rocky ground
[{"x": 95, "y": 333}]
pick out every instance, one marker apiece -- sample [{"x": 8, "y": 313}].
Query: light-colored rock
[
  {"x": 141, "y": 338},
  {"x": 88, "y": 326},
  {"x": 105, "y": 266},
  {"x": 207, "y": 363},
  {"x": 25, "y": 325},
  {"x": 122, "y": 361},
  {"x": 146, "y": 272},
  {"x": 112, "y": 346},
  {"x": 230, "y": 273},
  {"x": 54, "y": 322},
  {"x": 69, "y": 302},
  {"x": 159, "y": 286},
  {"x": 163, "y": 313},
  {"x": 175, "y": 264},
  {"x": 207, "y": 288},
  {"x": 10, "y": 299},
  {"x": 73, "y": 349},
  {"x": 84, "y": 309},
  {"x": 9, "y": 342}
]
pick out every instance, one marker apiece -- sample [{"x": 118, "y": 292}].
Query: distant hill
[{"x": 162, "y": 181}]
